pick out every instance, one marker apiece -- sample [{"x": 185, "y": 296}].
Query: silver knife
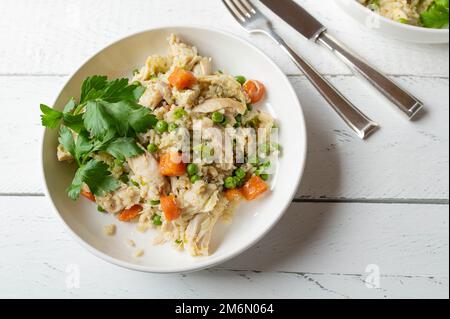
[{"x": 298, "y": 18}]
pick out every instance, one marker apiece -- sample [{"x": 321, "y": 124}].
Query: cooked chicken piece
[
  {"x": 186, "y": 97},
  {"x": 166, "y": 91},
  {"x": 146, "y": 170},
  {"x": 198, "y": 232},
  {"x": 63, "y": 155},
  {"x": 155, "y": 93},
  {"x": 266, "y": 120},
  {"x": 179, "y": 185},
  {"x": 151, "y": 97},
  {"x": 123, "y": 198},
  {"x": 203, "y": 68},
  {"x": 155, "y": 64},
  {"x": 184, "y": 56},
  {"x": 222, "y": 85},
  {"x": 201, "y": 198},
  {"x": 214, "y": 105}
]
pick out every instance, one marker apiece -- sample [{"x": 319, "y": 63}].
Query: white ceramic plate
[
  {"x": 392, "y": 28},
  {"x": 252, "y": 221}
]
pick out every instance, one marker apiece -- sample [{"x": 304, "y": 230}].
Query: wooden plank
[
  {"x": 98, "y": 280},
  {"x": 54, "y": 37},
  {"x": 312, "y": 237},
  {"x": 405, "y": 160},
  {"x": 317, "y": 250}
]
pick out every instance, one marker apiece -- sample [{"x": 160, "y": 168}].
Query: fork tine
[
  {"x": 242, "y": 8},
  {"x": 234, "y": 11},
  {"x": 249, "y": 6}
]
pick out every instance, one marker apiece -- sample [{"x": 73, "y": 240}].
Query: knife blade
[
  {"x": 311, "y": 28},
  {"x": 297, "y": 17}
]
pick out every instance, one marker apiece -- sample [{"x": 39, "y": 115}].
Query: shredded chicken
[
  {"x": 124, "y": 197},
  {"x": 213, "y": 105},
  {"x": 146, "y": 170},
  {"x": 203, "y": 68},
  {"x": 63, "y": 155}
]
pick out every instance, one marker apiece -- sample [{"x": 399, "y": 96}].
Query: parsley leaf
[
  {"x": 50, "y": 118},
  {"x": 141, "y": 119},
  {"x": 83, "y": 146},
  {"x": 92, "y": 85},
  {"x": 123, "y": 119},
  {"x": 107, "y": 118},
  {"x": 98, "y": 120},
  {"x": 98, "y": 87},
  {"x": 123, "y": 148},
  {"x": 437, "y": 15},
  {"x": 74, "y": 122},
  {"x": 96, "y": 176},
  {"x": 70, "y": 106},
  {"x": 67, "y": 141}
]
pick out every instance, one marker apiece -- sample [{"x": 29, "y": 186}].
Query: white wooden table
[{"x": 383, "y": 202}]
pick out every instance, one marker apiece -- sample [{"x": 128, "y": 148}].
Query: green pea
[
  {"x": 152, "y": 148},
  {"x": 172, "y": 127},
  {"x": 264, "y": 177},
  {"x": 155, "y": 202},
  {"x": 238, "y": 119},
  {"x": 101, "y": 209},
  {"x": 241, "y": 79},
  {"x": 254, "y": 160},
  {"x": 135, "y": 183},
  {"x": 230, "y": 182},
  {"x": 195, "y": 179},
  {"x": 179, "y": 113},
  {"x": 157, "y": 220},
  {"x": 162, "y": 127},
  {"x": 240, "y": 173},
  {"x": 254, "y": 122},
  {"x": 240, "y": 182},
  {"x": 265, "y": 149},
  {"x": 124, "y": 178},
  {"x": 192, "y": 169},
  {"x": 217, "y": 117},
  {"x": 277, "y": 147}
]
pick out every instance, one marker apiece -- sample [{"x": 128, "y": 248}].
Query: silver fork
[{"x": 254, "y": 21}]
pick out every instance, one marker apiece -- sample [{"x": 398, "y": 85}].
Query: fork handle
[
  {"x": 352, "y": 116},
  {"x": 405, "y": 101}
]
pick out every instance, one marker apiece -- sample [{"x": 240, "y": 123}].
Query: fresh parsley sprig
[
  {"x": 437, "y": 15},
  {"x": 107, "y": 118}
]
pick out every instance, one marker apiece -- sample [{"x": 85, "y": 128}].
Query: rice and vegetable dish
[
  {"x": 138, "y": 155},
  {"x": 424, "y": 13}
]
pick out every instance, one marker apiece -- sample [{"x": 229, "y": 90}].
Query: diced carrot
[
  {"x": 131, "y": 213},
  {"x": 170, "y": 208},
  {"x": 233, "y": 194},
  {"x": 182, "y": 79},
  {"x": 254, "y": 187},
  {"x": 171, "y": 164},
  {"x": 88, "y": 195},
  {"x": 255, "y": 90}
]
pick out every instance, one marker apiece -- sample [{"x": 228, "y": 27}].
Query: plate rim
[{"x": 206, "y": 264}]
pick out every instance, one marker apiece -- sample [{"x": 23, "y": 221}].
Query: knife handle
[
  {"x": 404, "y": 100},
  {"x": 352, "y": 116}
]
